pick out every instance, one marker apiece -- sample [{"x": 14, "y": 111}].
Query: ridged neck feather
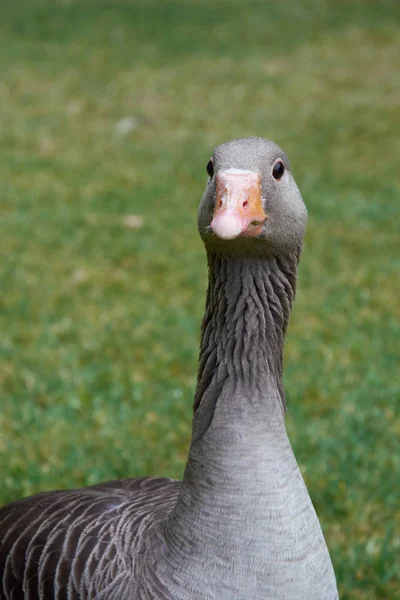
[{"x": 248, "y": 306}]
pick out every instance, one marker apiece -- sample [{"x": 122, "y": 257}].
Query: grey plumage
[
  {"x": 241, "y": 524},
  {"x": 80, "y": 543}
]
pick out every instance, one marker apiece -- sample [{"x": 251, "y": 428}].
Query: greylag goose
[{"x": 241, "y": 525}]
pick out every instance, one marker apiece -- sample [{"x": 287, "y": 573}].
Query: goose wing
[{"x": 72, "y": 544}]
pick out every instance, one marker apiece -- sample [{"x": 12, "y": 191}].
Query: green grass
[{"x": 100, "y": 320}]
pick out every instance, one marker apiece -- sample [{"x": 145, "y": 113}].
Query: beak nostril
[
  {"x": 245, "y": 204},
  {"x": 220, "y": 204}
]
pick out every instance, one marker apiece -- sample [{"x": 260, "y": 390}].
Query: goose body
[{"x": 241, "y": 524}]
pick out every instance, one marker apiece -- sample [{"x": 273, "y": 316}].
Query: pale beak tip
[{"x": 227, "y": 226}]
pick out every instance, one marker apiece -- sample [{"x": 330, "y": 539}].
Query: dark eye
[
  {"x": 210, "y": 168},
  {"x": 278, "y": 170}
]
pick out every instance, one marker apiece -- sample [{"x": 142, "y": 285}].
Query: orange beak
[{"x": 238, "y": 208}]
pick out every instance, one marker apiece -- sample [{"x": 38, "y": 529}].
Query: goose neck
[{"x": 248, "y": 306}]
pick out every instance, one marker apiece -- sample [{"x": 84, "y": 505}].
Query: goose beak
[{"x": 238, "y": 207}]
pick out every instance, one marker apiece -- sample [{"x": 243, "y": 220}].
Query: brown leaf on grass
[
  {"x": 133, "y": 221},
  {"x": 74, "y": 108},
  {"x": 79, "y": 276},
  {"x": 125, "y": 126},
  {"x": 46, "y": 145}
]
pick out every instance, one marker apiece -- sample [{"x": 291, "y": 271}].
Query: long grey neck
[
  {"x": 247, "y": 312},
  {"x": 243, "y": 525},
  {"x": 239, "y": 434}
]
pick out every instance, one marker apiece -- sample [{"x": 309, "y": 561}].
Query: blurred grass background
[{"x": 109, "y": 111}]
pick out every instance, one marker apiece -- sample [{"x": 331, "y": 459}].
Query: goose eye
[
  {"x": 210, "y": 168},
  {"x": 278, "y": 170}
]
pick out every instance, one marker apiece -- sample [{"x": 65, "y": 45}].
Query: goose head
[{"x": 251, "y": 204}]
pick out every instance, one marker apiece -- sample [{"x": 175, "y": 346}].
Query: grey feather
[{"x": 241, "y": 524}]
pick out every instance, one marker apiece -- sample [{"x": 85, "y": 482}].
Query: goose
[{"x": 241, "y": 524}]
